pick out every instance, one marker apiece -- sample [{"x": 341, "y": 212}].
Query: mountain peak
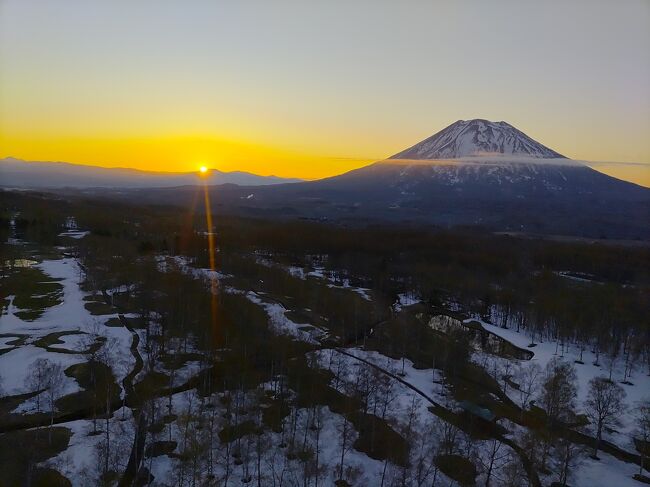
[{"x": 477, "y": 137}]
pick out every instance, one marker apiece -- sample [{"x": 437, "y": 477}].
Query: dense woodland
[
  {"x": 528, "y": 282},
  {"x": 256, "y": 386}
]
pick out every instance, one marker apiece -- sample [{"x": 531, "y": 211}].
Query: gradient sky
[{"x": 307, "y": 89}]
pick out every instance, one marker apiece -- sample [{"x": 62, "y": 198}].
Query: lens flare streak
[{"x": 211, "y": 256}]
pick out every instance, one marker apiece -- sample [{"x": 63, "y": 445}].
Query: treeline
[
  {"x": 594, "y": 295},
  {"x": 591, "y": 295}
]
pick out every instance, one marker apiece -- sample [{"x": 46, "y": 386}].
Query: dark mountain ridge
[
  {"x": 39, "y": 174},
  {"x": 486, "y": 174}
]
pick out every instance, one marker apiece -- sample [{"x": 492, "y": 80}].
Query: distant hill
[
  {"x": 37, "y": 174},
  {"x": 486, "y": 174},
  {"x": 473, "y": 173}
]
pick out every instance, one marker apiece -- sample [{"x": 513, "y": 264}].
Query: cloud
[
  {"x": 499, "y": 159},
  {"x": 617, "y": 163}
]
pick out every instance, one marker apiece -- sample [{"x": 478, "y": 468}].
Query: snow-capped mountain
[
  {"x": 479, "y": 159},
  {"x": 467, "y": 138},
  {"x": 473, "y": 173},
  {"x": 516, "y": 177}
]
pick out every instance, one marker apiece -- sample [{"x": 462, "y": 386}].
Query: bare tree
[
  {"x": 386, "y": 392},
  {"x": 54, "y": 383},
  {"x": 631, "y": 355},
  {"x": 101, "y": 472},
  {"x": 604, "y": 406},
  {"x": 492, "y": 459},
  {"x": 557, "y": 397},
  {"x": 409, "y": 430},
  {"x": 528, "y": 378},
  {"x": 567, "y": 457},
  {"x": 46, "y": 377},
  {"x": 449, "y": 435},
  {"x": 642, "y": 430},
  {"x": 423, "y": 451},
  {"x": 559, "y": 390},
  {"x": 106, "y": 355},
  {"x": 611, "y": 359},
  {"x": 343, "y": 428},
  {"x": 37, "y": 379}
]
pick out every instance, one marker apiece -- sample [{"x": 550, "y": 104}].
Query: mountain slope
[
  {"x": 520, "y": 186},
  {"x": 557, "y": 200},
  {"x": 486, "y": 174},
  {"x": 478, "y": 137},
  {"x": 24, "y": 174}
]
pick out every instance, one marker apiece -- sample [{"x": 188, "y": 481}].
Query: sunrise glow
[
  {"x": 411, "y": 236},
  {"x": 235, "y": 87}
]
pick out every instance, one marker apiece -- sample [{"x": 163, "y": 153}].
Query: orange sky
[
  {"x": 307, "y": 89},
  {"x": 182, "y": 154}
]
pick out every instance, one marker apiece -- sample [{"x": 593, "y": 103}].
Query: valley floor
[{"x": 322, "y": 405}]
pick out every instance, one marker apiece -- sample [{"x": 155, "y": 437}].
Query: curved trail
[
  {"x": 420, "y": 392},
  {"x": 138, "y": 445},
  {"x": 136, "y": 455},
  {"x": 127, "y": 382},
  {"x": 87, "y": 413},
  {"x": 528, "y": 466},
  {"x": 137, "y": 451}
]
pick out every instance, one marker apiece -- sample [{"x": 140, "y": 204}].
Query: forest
[{"x": 304, "y": 353}]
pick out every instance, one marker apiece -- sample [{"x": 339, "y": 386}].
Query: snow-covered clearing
[
  {"x": 404, "y": 300},
  {"x": 15, "y": 368},
  {"x": 69, "y": 315},
  {"x": 72, "y": 229},
  {"x": 545, "y": 351},
  {"x": 393, "y": 400},
  {"x": 5, "y": 342},
  {"x": 183, "y": 264},
  {"x": 345, "y": 284},
  {"x": 278, "y": 320},
  {"x": 76, "y": 234},
  {"x": 319, "y": 272},
  {"x": 334, "y": 281},
  {"x": 605, "y": 472},
  {"x": 81, "y": 462},
  {"x": 75, "y": 343},
  {"x": 283, "y": 325},
  {"x": 275, "y": 463},
  {"x": 347, "y": 369}
]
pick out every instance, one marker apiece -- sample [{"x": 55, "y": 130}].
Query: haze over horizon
[{"x": 331, "y": 87}]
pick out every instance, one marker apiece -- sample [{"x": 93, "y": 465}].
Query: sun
[{"x": 203, "y": 169}]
